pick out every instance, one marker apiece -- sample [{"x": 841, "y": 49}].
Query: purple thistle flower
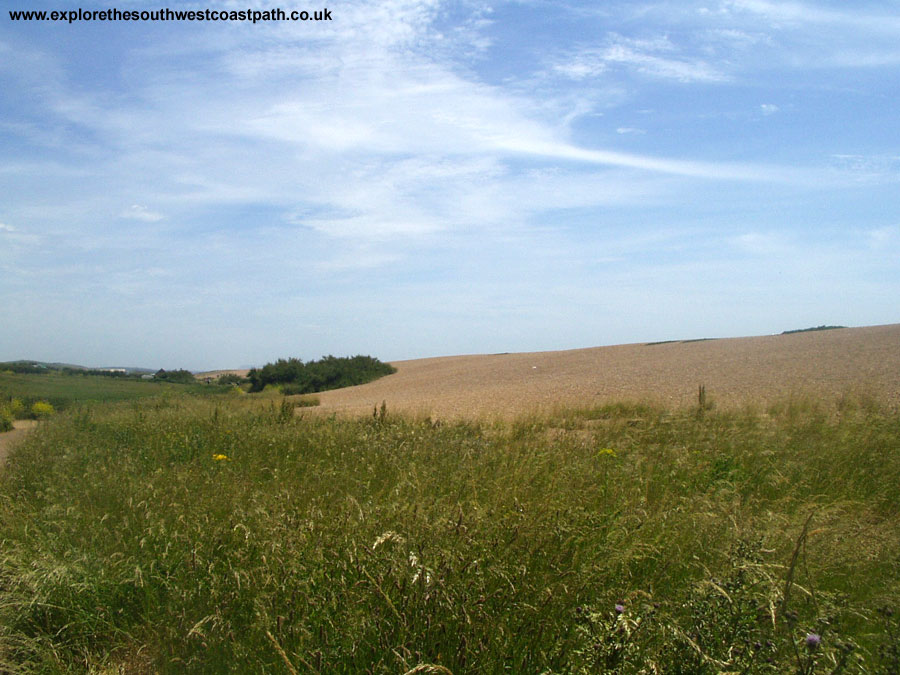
[
  {"x": 620, "y": 608},
  {"x": 813, "y": 640}
]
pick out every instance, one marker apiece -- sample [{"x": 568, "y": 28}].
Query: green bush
[
  {"x": 6, "y": 420},
  {"x": 177, "y": 376},
  {"x": 17, "y": 409},
  {"x": 231, "y": 379},
  {"x": 329, "y": 372},
  {"x": 41, "y": 410}
]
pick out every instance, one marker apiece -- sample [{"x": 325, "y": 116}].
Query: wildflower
[
  {"x": 620, "y": 608},
  {"x": 606, "y": 452},
  {"x": 813, "y": 640},
  {"x": 387, "y": 536},
  {"x": 42, "y": 410},
  {"x": 219, "y": 457}
]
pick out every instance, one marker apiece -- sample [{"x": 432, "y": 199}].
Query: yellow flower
[
  {"x": 42, "y": 410},
  {"x": 606, "y": 452},
  {"x": 219, "y": 457}
]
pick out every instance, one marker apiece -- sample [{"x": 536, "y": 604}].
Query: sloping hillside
[{"x": 735, "y": 371}]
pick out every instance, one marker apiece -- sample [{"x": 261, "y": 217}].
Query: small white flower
[{"x": 387, "y": 536}]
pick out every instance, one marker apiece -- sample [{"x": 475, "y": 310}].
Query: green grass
[
  {"x": 322, "y": 545},
  {"x": 64, "y": 390}
]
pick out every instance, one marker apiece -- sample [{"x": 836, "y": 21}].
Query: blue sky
[{"x": 427, "y": 177}]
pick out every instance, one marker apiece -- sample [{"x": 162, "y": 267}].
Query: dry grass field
[
  {"x": 8, "y": 438},
  {"x": 200, "y": 533},
  {"x": 735, "y": 371}
]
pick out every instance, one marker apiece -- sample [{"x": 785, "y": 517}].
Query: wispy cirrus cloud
[
  {"x": 308, "y": 140},
  {"x": 141, "y": 213},
  {"x": 656, "y": 58},
  {"x": 412, "y": 143},
  {"x": 809, "y": 13},
  {"x": 817, "y": 36}
]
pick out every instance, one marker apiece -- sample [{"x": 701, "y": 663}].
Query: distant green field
[{"x": 63, "y": 390}]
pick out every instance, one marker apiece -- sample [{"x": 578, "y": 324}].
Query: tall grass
[{"x": 213, "y": 536}]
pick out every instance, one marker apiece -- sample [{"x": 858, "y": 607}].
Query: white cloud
[
  {"x": 707, "y": 170},
  {"x": 768, "y": 108},
  {"x": 332, "y": 116},
  {"x": 762, "y": 243},
  {"x": 803, "y": 34},
  {"x": 657, "y": 58},
  {"x": 629, "y": 130},
  {"x": 884, "y": 237},
  {"x": 141, "y": 213},
  {"x": 733, "y": 38},
  {"x": 803, "y": 13},
  {"x": 868, "y": 168},
  {"x": 6, "y": 228}
]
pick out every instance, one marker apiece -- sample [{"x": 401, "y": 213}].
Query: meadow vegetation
[
  {"x": 63, "y": 390},
  {"x": 232, "y": 534}
]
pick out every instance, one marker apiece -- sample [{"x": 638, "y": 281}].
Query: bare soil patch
[
  {"x": 862, "y": 362},
  {"x": 8, "y": 438}
]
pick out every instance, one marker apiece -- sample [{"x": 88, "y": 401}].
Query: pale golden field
[{"x": 826, "y": 364}]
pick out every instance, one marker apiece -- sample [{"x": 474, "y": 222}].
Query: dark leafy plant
[{"x": 329, "y": 372}]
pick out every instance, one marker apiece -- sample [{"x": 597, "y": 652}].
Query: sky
[{"x": 420, "y": 178}]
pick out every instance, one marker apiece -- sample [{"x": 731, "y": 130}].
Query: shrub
[
  {"x": 178, "y": 376},
  {"x": 230, "y": 378},
  {"x": 17, "y": 409},
  {"x": 291, "y": 389},
  {"x": 329, "y": 372},
  {"x": 6, "y": 420},
  {"x": 41, "y": 410}
]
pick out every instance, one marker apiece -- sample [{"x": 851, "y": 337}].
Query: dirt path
[{"x": 7, "y": 439}]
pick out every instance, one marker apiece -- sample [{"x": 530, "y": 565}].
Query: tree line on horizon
[{"x": 330, "y": 372}]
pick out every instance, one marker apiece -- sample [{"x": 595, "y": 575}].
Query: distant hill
[
  {"x": 824, "y": 364},
  {"x": 38, "y": 364},
  {"x": 33, "y": 366}
]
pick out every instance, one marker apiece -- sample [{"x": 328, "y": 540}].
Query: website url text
[{"x": 248, "y": 15}]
